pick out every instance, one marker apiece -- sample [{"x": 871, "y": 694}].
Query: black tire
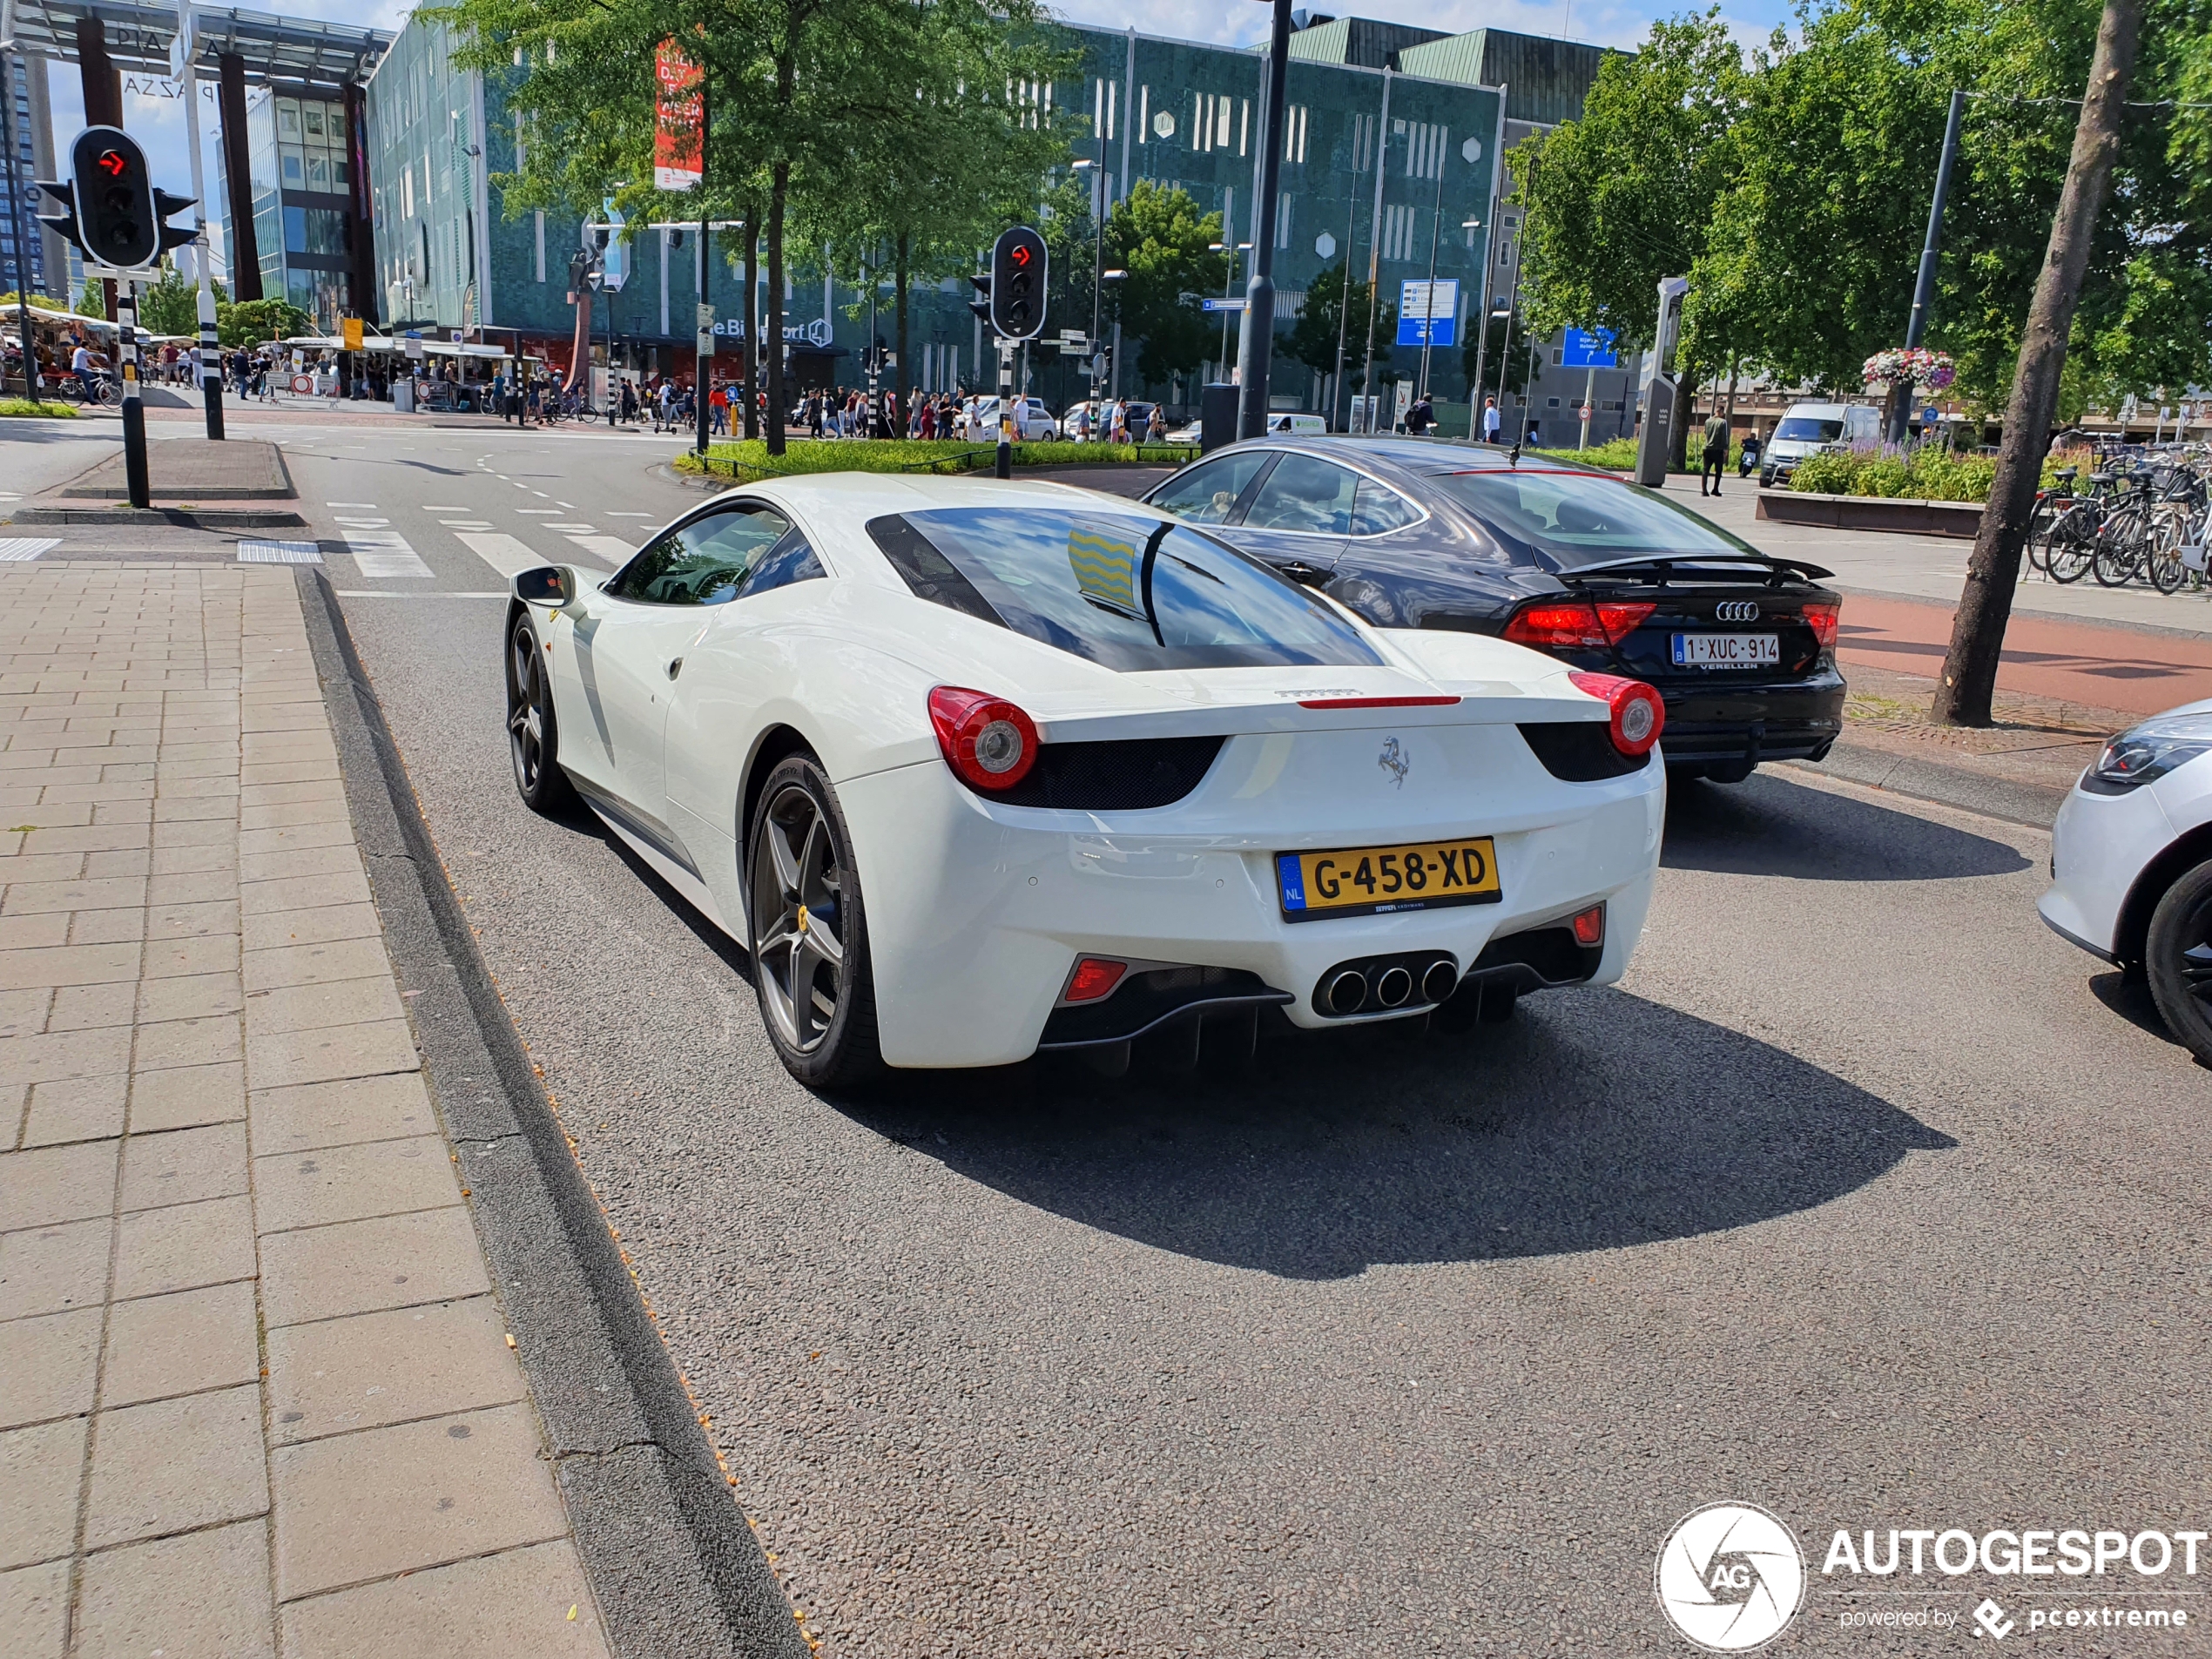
[
  {"x": 2177, "y": 959},
  {"x": 533, "y": 738},
  {"x": 809, "y": 931}
]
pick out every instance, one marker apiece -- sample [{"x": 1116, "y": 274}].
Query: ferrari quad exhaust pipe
[
  {"x": 1442, "y": 979},
  {"x": 1346, "y": 991},
  {"x": 1392, "y": 986}
]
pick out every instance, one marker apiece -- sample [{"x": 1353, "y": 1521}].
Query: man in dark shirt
[{"x": 1716, "y": 453}]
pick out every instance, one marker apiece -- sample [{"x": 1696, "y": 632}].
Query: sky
[{"x": 154, "y": 110}]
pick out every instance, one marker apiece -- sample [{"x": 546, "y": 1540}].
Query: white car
[
  {"x": 976, "y": 769},
  {"x": 1033, "y": 422},
  {"x": 2131, "y": 865}
]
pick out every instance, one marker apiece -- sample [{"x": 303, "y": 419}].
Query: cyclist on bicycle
[{"x": 80, "y": 364}]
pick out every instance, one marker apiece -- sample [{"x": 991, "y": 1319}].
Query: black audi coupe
[{"x": 1430, "y": 533}]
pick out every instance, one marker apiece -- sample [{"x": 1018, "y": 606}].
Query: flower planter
[{"x": 1961, "y": 519}]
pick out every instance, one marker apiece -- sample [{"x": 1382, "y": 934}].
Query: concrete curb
[
  {"x": 672, "y": 1559},
  {"x": 202, "y": 518},
  {"x": 1958, "y": 520},
  {"x": 1945, "y": 783}
]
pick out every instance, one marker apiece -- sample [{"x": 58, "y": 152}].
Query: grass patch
[
  {"x": 53, "y": 409},
  {"x": 747, "y": 461}
]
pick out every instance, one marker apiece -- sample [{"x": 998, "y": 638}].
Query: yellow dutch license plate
[{"x": 1372, "y": 880}]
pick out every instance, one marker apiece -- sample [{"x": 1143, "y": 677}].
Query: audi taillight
[
  {"x": 1550, "y": 624},
  {"x": 1637, "y": 714},
  {"x": 990, "y": 744},
  {"x": 1821, "y": 617}
]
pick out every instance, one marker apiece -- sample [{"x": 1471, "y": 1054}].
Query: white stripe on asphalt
[
  {"x": 16, "y": 548},
  {"x": 382, "y": 555},
  {"x": 279, "y": 553},
  {"x": 612, "y": 548},
  {"x": 369, "y": 505},
  {"x": 390, "y": 593},
  {"x": 505, "y": 554}
]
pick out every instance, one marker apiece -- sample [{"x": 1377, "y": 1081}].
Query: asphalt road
[{"x": 1863, "y": 1198}]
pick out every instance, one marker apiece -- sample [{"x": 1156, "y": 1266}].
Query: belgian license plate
[
  {"x": 1371, "y": 880},
  {"x": 1727, "y": 651}
]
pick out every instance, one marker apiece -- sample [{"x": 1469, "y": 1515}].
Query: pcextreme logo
[{"x": 1729, "y": 1577}]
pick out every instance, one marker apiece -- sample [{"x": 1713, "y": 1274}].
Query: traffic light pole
[
  {"x": 702, "y": 379},
  {"x": 1004, "y": 467},
  {"x": 134, "y": 412}
]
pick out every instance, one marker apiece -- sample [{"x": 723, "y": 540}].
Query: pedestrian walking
[
  {"x": 718, "y": 411},
  {"x": 1489, "y": 419},
  {"x": 1716, "y": 453},
  {"x": 1156, "y": 429},
  {"x": 1422, "y": 416}
]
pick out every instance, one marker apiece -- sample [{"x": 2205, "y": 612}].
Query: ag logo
[{"x": 1729, "y": 1577}]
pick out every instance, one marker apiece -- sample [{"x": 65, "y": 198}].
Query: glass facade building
[
  {"x": 1392, "y": 143},
  {"x": 302, "y": 171},
  {"x": 30, "y": 127}
]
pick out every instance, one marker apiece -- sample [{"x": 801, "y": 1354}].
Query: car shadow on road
[
  {"x": 1771, "y": 826},
  {"x": 1593, "y": 1121}
]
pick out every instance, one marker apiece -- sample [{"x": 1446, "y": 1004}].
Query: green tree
[
  {"x": 947, "y": 158},
  {"x": 254, "y": 322},
  {"x": 1313, "y": 338},
  {"x": 1494, "y": 351},
  {"x": 91, "y": 299},
  {"x": 170, "y": 305},
  {"x": 1158, "y": 235},
  {"x": 1624, "y": 195}
]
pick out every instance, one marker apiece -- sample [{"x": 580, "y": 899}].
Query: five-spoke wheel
[
  {"x": 531, "y": 742},
  {"x": 809, "y": 943},
  {"x": 2177, "y": 959}
]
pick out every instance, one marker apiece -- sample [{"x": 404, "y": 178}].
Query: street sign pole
[
  {"x": 134, "y": 413},
  {"x": 183, "y": 71}
]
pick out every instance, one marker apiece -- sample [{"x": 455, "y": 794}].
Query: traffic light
[
  {"x": 111, "y": 209},
  {"x": 1017, "y": 290},
  {"x": 981, "y": 306}
]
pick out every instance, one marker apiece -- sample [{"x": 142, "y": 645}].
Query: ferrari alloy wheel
[
  {"x": 531, "y": 741},
  {"x": 810, "y": 961},
  {"x": 2178, "y": 960}
]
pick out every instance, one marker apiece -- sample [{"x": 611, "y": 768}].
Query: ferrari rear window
[{"x": 1127, "y": 591}]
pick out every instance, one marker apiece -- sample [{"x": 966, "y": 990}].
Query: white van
[
  {"x": 1032, "y": 421},
  {"x": 1280, "y": 424},
  {"x": 1808, "y": 428}
]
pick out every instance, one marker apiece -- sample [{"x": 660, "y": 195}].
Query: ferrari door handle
[{"x": 675, "y": 666}]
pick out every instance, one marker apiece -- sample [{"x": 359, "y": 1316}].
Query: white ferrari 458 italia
[{"x": 975, "y": 769}]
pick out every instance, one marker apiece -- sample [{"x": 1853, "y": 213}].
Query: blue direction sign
[
  {"x": 1428, "y": 312},
  {"x": 1222, "y": 305},
  {"x": 1589, "y": 349}
]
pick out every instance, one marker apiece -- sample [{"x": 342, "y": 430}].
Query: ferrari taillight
[
  {"x": 990, "y": 744},
  {"x": 1637, "y": 712},
  {"x": 1551, "y": 624},
  {"x": 1822, "y": 616}
]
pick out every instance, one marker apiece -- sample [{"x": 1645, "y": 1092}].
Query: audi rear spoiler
[{"x": 1665, "y": 568}]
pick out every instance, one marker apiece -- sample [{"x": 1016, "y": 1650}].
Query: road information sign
[
  {"x": 1428, "y": 313},
  {"x": 1589, "y": 349}
]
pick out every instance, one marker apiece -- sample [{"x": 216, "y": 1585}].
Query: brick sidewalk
[{"x": 255, "y": 1392}]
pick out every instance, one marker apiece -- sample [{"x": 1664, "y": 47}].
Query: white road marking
[
  {"x": 439, "y": 507},
  {"x": 505, "y": 554},
  {"x": 384, "y": 554},
  {"x": 627, "y": 514},
  {"x": 369, "y": 506},
  {"x": 549, "y": 512},
  {"x": 613, "y": 550},
  {"x": 393, "y": 593},
  {"x": 573, "y": 530},
  {"x": 279, "y": 553},
  {"x": 14, "y": 550}
]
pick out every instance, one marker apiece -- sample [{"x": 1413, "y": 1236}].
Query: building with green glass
[{"x": 1391, "y": 165}]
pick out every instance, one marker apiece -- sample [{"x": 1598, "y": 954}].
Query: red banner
[{"x": 679, "y": 148}]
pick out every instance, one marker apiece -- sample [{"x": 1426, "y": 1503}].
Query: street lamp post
[
  {"x": 1228, "y": 291},
  {"x": 1429, "y": 302},
  {"x": 1098, "y": 171},
  {"x": 1259, "y": 349}
]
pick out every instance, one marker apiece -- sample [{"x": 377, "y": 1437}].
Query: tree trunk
[
  {"x": 752, "y": 365},
  {"x": 1735, "y": 359},
  {"x": 778, "y": 194},
  {"x": 1678, "y": 424},
  {"x": 899, "y": 376},
  {"x": 1978, "y": 631}
]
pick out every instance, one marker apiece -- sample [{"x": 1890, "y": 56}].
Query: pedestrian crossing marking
[
  {"x": 279, "y": 553},
  {"x": 16, "y": 548},
  {"x": 382, "y": 555},
  {"x": 612, "y": 548},
  {"x": 505, "y": 554}
]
